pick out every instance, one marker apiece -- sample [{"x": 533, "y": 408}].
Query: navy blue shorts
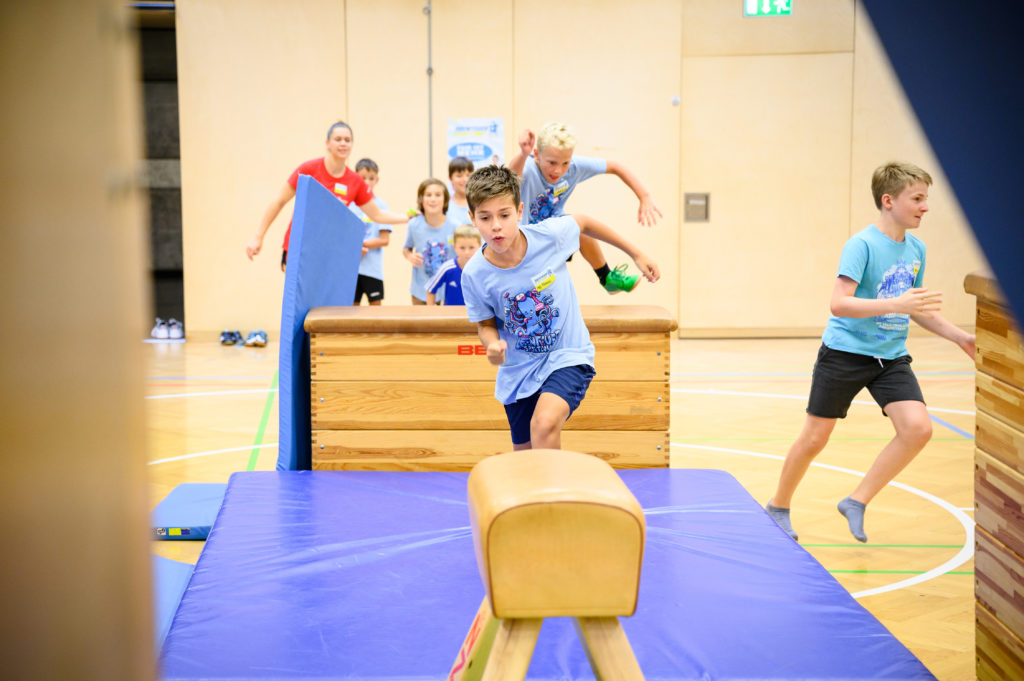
[
  {"x": 569, "y": 383},
  {"x": 839, "y": 376}
]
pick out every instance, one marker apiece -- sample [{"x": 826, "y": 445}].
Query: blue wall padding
[
  {"x": 188, "y": 511},
  {"x": 323, "y": 263},
  {"x": 961, "y": 65},
  {"x": 372, "y": 575},
  {"x": 170, "y": 578}
]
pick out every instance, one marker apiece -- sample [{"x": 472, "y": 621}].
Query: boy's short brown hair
[
  {"x": 893, "y": 178},
  {"x": 423, "y": 190},
  {"x": 489, "y": 182},
  {"x": 459, "y": 164}
]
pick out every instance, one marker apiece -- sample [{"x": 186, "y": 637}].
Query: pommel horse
[{"x": 557, "y": 534}]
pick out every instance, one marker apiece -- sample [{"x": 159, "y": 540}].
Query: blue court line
[{"x": 951, "y": 427}]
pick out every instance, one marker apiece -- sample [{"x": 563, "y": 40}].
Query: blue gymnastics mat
[
  {"x": 371, "y": 575},
  {"x": 188, "y": 511},
  {"x": 170, "y": 577}
]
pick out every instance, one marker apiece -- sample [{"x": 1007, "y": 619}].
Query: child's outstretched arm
[
  {"x": 598, "y": 230},
  {"x": 648, "y": 213},
  {"x": 256, "y": 244},
  {"x": 916, "y": 301},
  {"x": 384, "y": 217},
  {"x": 489, "y": 338},
  {"x": 941, "y": 326},
  {"x": 526, "y": 142}
]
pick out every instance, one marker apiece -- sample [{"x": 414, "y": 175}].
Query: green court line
[
  {"x": 885, "y": 546},
  {"x": 263, "y": 425},
  {"x": 891, "y": 572}
]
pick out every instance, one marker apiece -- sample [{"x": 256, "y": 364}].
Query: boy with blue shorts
[
  {"x": 519, "y": 293},
  {"x": 549, "y": 177},
  {"x": 878, "y": 290}
]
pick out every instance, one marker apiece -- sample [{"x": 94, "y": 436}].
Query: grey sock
[
  {"x": 854, "y": 512},
  {"x": 781, "y": 517}
]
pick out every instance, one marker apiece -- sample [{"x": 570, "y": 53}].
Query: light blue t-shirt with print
[
  {"x": 434, "y": 244},
  {"x": 372, "y": 264},
  {"x": 542, "y": 200},
  {"x": 882, "y": 268},
  {"x": 535, "y": 307},
  {"x": 458, "y": 215}
]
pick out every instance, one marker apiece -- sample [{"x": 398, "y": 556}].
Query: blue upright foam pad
[
  {"x": 188, "y": 511},
  {"x": 170, "y": 578},
  {"x": 323, "y": 263},
  {"x": 372, "y": 575}
]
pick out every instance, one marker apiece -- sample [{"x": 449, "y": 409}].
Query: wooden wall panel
[
  {"x": 1000, "y": 440},
  {"x": 999, "y": 501},
  {"x": 1001, "y": 400},
  {"x": 999, "y": 575}
]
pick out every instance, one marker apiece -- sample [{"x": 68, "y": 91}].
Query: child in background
[
  {"x": 466, "y": 242},
  {"x": 877, "y": 291},
  {"x": 520, "y": 295},
  {"x": 428, "y": 242},
  {"x": 550, "y": 179},
  {"x": 459, "y": 170},
  {"x": 371, "y": 266}
]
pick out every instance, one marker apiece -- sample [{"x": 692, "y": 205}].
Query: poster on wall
[{"x": 481, "y": 140}]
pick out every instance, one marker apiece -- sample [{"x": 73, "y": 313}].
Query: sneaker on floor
[
  {"x": 257, "y": 338},
  {"x": 175, "y": 329},
  {"x": 160, "y": 329},
  {"x": 618, "y": 281},
  {"x": 230, "y": 337}
]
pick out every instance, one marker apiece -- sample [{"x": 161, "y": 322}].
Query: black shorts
[
  {"x": 569, "y": 383},
  {"x": 373, "y": 288},
  {"x": 839, "y": 376}
]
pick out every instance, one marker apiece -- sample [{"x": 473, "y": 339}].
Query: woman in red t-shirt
[{"x": 332, "y": 172}]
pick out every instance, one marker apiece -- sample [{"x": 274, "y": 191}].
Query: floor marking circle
[{"x": 966, "y": 551}]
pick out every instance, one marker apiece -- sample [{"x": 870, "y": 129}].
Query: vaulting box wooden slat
[{"x": 409, "y": 388}]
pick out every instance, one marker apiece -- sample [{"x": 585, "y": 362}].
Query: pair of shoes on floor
[
  {"x": 618, "y": 281},
  {"x": 255, "y": 339},
  {"x": 171, "y": 329}
]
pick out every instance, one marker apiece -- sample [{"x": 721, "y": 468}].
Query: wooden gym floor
[{"x": 736, "y": 406}]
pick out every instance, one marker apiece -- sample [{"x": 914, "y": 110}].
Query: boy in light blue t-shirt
[
  {"x": 370, "y": 281},
  {"x": 519, "y": 293},
  {"x": 878, "y": 290},
  {"x": 550, "y": 176}
]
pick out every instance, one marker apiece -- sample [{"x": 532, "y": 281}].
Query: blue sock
[
  {"x": 854, "y": 512},
  {"x": 781, "y": 517}
]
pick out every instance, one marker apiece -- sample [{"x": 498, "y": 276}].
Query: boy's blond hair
[
  {"x": 466, "y": 232},
  {"x": 491, "y": 181},
  {"x": 557, "y": 135},
  {"x": 893, "y": 178}
]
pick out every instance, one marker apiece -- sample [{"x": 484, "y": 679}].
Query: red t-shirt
[{"x": 349, "y": 188}]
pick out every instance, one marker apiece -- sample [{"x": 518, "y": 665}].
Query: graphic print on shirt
[
  {"x": 530, "y": 317},
  {"x": 435, "y": 254},
  {"x": 544, "y": 205},
  {"x": 895, "y": 282}
]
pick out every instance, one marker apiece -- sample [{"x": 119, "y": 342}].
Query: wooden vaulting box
[
  {"x": 998, "y": 484},
  {"x": 409, "y": 388}
]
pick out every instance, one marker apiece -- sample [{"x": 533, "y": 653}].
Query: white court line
[
  {"x": 212, "y": 452},
  {"x": 962, "y": 556},
  {"x": 218, "y": 392},
  {"x": 712, "y": 391}
]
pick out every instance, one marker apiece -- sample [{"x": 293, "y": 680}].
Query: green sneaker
[{"x": 617, "y": 281}]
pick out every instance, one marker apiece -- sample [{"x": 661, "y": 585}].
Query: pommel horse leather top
[{"x": 406, "y": 318}]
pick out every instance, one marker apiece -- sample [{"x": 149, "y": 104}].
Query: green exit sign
[{"x": 767, "y": 8}]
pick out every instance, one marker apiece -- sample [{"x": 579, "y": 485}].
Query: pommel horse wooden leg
[{"x": 557, "y": 534}]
